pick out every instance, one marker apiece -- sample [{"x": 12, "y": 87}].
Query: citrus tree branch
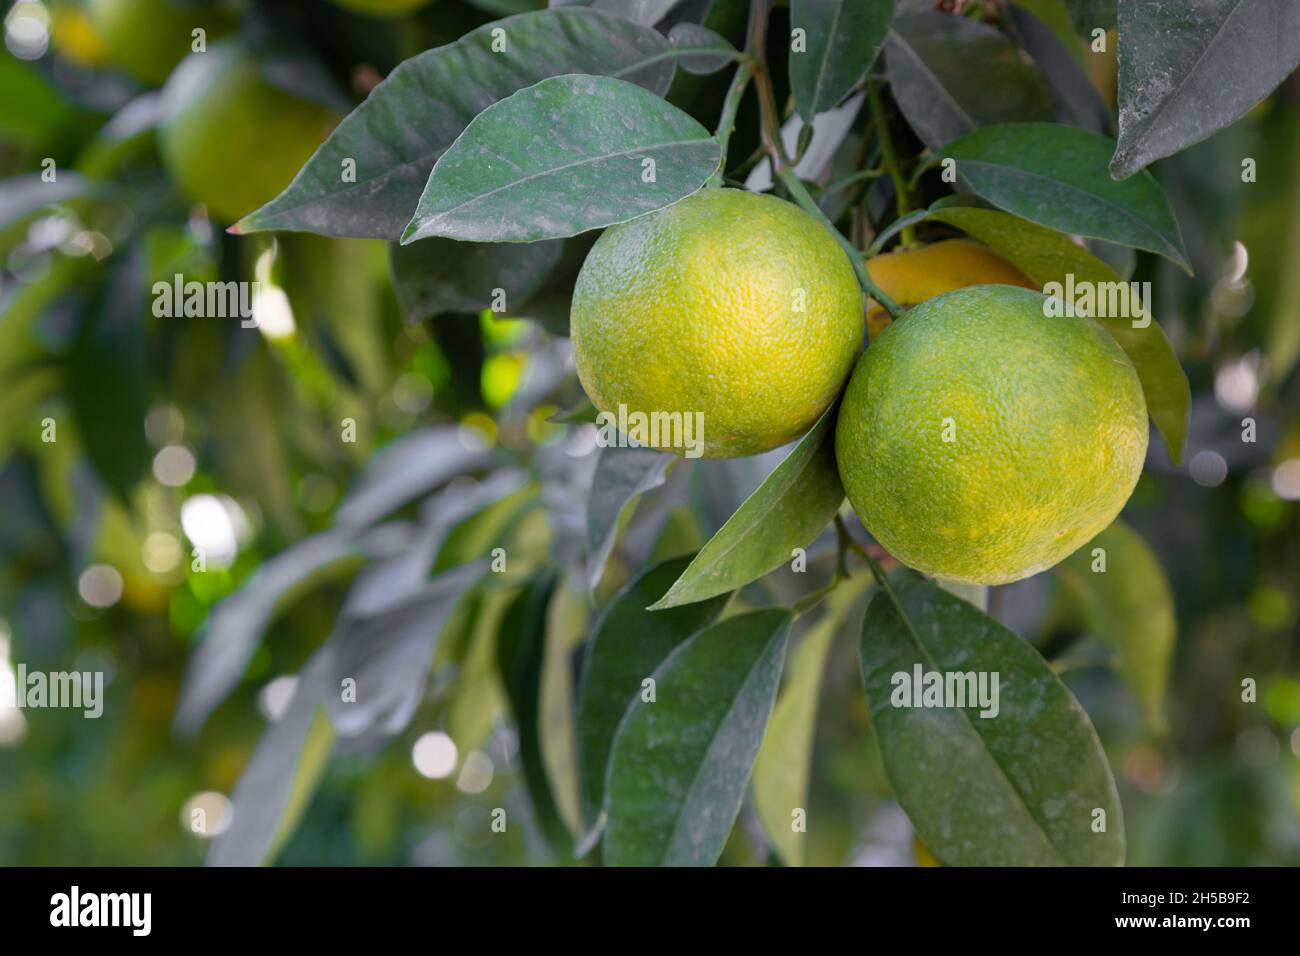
[
  {"x": 889, "y": 157},
  {"x": 770, "y": 125},
  {"x": 730, "y": 106}
]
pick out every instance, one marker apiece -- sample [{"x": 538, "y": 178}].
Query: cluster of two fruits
[{"x": 977, "y": 439}]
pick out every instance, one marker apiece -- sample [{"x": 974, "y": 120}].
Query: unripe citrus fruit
[
  {"x": 147, "y": 38},
  {"x": 981, "y": 441},
  {"x": 910, "y": 276},
  {"x": 734, "y": 305},
  {"x": 230, "y": 139}
]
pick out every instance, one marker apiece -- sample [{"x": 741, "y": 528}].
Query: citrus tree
[{"x": 800, "y": 327}]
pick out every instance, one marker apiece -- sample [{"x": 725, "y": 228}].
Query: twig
[{"x": 889, "y": 156}]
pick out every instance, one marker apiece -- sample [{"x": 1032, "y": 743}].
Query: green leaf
[
  {"x": 1189, "y": 69},
  {"x": 477, "y": 697},
  {"x": 437, "y": 276},
  {"x": 408, "y": 468},
  {"x": 1127, "y": 604},
  {"x": 952, "y": 75},
  {"x": 785, "y": 758},
  {"x": 388, "y": 656},
  {"x": 627, "y": 644},
  {"x": 680, "y": 763},
  {"x": 410, "y": 119},
  {"x": 1056, "y": 176},
  {"x": 277, "y": 784},
  {"x": 622, "y": 475},
  {"x": 1047, "y": 36},
  {"x": 787, "y": 511},
  {"x": 1047, "y": 256},
  {"x": 1016, "y": 789},
  {"x": 108, "y": 381},
  {"x": 566, "y": 155},
  {"x": 236, "y": 625},
  {"x": 700, "y": 50},
  {"x": 843, "y": 38},
  {"x": 566, "y": 629},
  {"x": 521, "y": 649}
]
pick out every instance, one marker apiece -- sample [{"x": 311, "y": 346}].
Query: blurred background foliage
[{"x": 180, "y": 433}]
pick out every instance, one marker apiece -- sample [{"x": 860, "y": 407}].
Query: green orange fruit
[
  {"x": 734, "y": 306},
  {"x": 231, "y": 139},
  {"x": 147, "y": 38},
  {"x": 981, "y": 441}
]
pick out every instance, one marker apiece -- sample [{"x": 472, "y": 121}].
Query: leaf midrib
[{"x": 480, "y": 197}]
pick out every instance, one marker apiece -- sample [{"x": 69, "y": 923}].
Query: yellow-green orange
[
  {"x": 982, "y": 442},
  {"x": 230, "y": 139},
  {"x": 734, "y": 305},
  {"x": 910, "y": 276},
  {"x": 147, "y": 38}
]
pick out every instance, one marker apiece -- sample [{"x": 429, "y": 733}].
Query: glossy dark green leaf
[
  {"x": 1056, "y": 176},
  {"x": 566, "y": 155},
  {"x": 1019, "y": 788},
  {"x": 277, "y": 784},
  {"x": 410, "y": 119},
  {"x": 785, "y": 759},
  {"x": 107, "y": 379},
  {"x": 952, "y": 75},
  {"x": 1189, "y": 69},
  {"x": 1125, "y": 601},
  {"x": 680, "y": 763},
  {"x": 521, "y": 648},
  {"x": 787, "y": 511},
  {"x": 842, "y": 39},
  {"x": 1047, "y": 256},
  {"x": 622, "y": 475},
  {"x": 436, "y": 276},
  {"x": 627, "y": 644}
]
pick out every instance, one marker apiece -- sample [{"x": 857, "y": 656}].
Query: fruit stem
[
  {"x": 848, "y": 540},
  {"x": 889, "y": 155},
  {"x": 770, "y": 126},
  {"x": 799, "y": 193},
  {"x": 727, "y": 121}
]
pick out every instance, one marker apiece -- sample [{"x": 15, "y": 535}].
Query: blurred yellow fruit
[{"x": 75, "y": 37}]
